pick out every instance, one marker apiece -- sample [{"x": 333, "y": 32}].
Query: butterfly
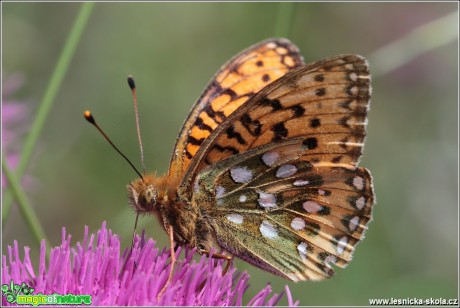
[{"x": 265, "y": 165}]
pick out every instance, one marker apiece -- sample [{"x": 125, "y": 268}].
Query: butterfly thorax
[{"x": 158, "y": 196}]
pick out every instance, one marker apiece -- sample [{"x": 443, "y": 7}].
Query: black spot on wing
[
  {"x": 232, "y": 134},
  {"x": 254, "y": 127},
  {"x": 203, "y": 126},
  {"x": 297, "y": 110},
  {"x": 319, "y": 78},
  {"x": 194, "y": 141},
  {"x": 280, "y": 132},
  {"x": 320, "y": 92},
  {"x": 227, "y": 148},
  {"x": 310, "y": 143},
  {"x": 315, "y": 122},
  {"x": 274, "y": 103}
]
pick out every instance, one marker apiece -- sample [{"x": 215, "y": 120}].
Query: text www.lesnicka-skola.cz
[{"x": 413, "y": 301}]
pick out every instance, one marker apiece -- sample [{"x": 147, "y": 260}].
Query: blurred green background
[{"x": 173, "y": 49}]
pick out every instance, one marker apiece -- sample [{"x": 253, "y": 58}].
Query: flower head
[{"x": 96, "y": 267}]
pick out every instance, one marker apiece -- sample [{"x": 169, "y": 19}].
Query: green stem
[
  {"x": 284, "y": 19},
  {"x": 47, "y": 101},
  {"x": 24, "y": 205}
]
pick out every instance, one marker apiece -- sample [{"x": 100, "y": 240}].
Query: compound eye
[{"x": 147, "y": 199}]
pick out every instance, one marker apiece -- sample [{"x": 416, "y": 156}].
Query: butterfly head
[{"x": 143, "y": 195}]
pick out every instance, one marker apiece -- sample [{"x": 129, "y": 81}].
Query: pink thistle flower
[{"x": 134, "y": 278}]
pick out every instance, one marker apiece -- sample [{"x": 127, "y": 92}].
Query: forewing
[
  {"x": 236, "y": 82},
  {"x": 325, "y": 103}
]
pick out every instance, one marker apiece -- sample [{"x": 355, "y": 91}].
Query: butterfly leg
[
  {"x": 173, "y": 262},
  {"x": 219, "y": 256},
  {"x": 216, "y": 256},
  {"x": 134, "y": 235}
]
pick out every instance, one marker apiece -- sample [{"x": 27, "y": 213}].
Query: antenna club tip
[
  {"x": 89, "y": 116},
  {"x": 131, "y": 83}
]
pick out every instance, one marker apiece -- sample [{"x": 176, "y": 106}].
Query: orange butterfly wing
[
  {"x": 281, "y": 172},
  {"x": 328, "y": 100},
  {"x": 233, "y": 85}
]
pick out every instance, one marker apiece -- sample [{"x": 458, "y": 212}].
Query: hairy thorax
[{"x": 189, "y": 219}]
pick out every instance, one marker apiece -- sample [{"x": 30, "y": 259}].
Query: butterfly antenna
[
  {"x": 89, "y": 117},
  {"x": 132, "y": 86}
]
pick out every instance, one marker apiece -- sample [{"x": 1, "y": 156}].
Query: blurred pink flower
[
  {"x": 14, "y": 123},
  {"x": 135, "y": 278}
]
